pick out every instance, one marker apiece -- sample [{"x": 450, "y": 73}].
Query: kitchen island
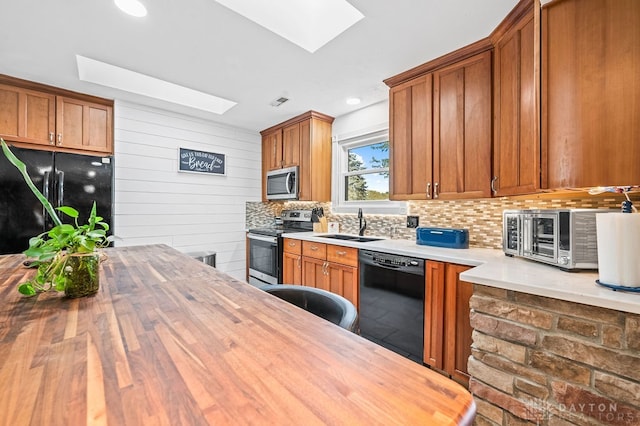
[{"x": 170, "y": 340}]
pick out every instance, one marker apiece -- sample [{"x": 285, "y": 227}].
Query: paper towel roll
[{"x": 619, "y": 248}]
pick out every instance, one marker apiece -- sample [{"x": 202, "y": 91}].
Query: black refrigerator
[{"x": 73, "y": 180}]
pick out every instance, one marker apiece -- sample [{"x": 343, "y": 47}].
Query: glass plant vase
[{"x": 82, "y": 274}]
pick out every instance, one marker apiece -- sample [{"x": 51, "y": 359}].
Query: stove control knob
[{"x": 563, "y": 260}]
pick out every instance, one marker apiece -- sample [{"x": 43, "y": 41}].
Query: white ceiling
[{"x": 202, "y": 45}]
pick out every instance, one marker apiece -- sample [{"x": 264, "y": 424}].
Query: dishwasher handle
[{"x": 403, "y": 264}]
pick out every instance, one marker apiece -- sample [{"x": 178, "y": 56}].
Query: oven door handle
[
  {"x": 527, "y": 236},
  {"x": 272, "y": 240}
]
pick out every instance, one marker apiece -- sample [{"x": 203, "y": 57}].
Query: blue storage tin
[{"x": 443, "y": 237}]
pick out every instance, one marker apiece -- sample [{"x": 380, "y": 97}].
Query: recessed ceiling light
[
  {"x": 310, "y": 23},
  {"x": 132, "y": 7},
  {"x": 130, "y": 81},
  {"x": 353, "y": 101}
]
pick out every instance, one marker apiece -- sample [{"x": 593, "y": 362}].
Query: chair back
[{"x": 322, "y": 303}]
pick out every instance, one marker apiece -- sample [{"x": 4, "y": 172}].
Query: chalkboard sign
[{"x": 195, "y": 161}]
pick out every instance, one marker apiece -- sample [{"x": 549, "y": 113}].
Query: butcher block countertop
[{"x": 169, "y": 340}]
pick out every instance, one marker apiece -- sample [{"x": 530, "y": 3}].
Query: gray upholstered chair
[{"x": 322, "y": 303}]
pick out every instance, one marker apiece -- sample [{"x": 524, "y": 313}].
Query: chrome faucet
[{"x": 362, "y": 223}]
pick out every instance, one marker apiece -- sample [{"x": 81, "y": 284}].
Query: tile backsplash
[{"x": 483, "y": 217}]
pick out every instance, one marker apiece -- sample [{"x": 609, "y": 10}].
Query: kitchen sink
[{"x": 346, "y": 237}]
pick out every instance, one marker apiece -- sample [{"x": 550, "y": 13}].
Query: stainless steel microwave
[
  {"x": 560, "y": 237},
  {"x": 282, "y": 184}
]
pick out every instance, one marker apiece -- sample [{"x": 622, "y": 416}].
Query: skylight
[
  {"x": 310, "y": 23},
  {"x": 130, "y": 81},
  {"x": 132, "y": 7}
]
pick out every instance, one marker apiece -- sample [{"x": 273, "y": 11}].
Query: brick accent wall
[{"x": 537, "y": 360}]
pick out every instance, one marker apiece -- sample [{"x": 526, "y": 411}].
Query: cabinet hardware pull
[
  {"x": 51, "y": 142},
  {"x": 493, "y": 187},
  {"x": 314, "y": 248},
  {"x": 341, "y": 253},
  {"x": 435, "y": 190},
  {"x": 428, "y": 189},
  {"x": 59, "y": 138},
  {"x": 298, "y": 261},
  {"x": 292, "y": 244}
]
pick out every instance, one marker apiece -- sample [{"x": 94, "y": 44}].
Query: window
[
  {"x": 362, "y": 175},
  {"x": 367, "y": 175}
]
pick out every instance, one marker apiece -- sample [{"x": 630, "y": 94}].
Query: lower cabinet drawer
[
  {"x": 343, "y": 255},
  {"x": 315, "y": 250},
  {"x": 292, "y": 246}
]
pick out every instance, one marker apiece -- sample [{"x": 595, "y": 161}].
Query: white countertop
[{"x": 494, "y": 269}]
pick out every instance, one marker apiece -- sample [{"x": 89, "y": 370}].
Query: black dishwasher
[{"x": 392, "y": 302}]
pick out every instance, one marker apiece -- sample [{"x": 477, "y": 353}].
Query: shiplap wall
[{"x": 154, "y": 203}]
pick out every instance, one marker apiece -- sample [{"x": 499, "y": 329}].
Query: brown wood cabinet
[
  {"x": 83, "y": 125},
  {"x": 434, "y": 314},
  {"x": 27, "y": 115},
  {"x": 34, "y": 114},
  {"x": 314, "y": 273},
  {"x": 440, "y": 127},
  {"x": 344, "y": 280},
  {"x": 411, "y": 135},
  {"x": 447, "y": 328},
  {"x": 291, "y": 145},
  {"x": 292, "y": 262},
  {"x": 303, "y": 141},
  {"x": 271, "y": 155},
  {"x": 315, "y": 158},
  {"x": 516, "y": 94},
  {"x": 462, "y": 129},
  {"x": 272, "y": 150},
  {"x": 331, "y": 267},
  {"x": 591, "y": 93},
  {"x": 457, "y": 325},
  {"x": 281, "y": 147}
]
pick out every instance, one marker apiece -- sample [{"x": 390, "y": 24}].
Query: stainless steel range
[{"x": 265, "y": 246}]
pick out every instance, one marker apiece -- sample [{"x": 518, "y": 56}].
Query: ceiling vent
[{"x": 279, "y": 101}]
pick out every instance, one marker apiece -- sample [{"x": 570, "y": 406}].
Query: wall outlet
[{"x": 412, "y": 221}]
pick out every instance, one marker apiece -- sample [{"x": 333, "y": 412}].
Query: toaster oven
[{"x": 562, "y": 237}]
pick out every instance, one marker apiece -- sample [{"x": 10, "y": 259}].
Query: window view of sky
[{"x": 366, "y": 155}]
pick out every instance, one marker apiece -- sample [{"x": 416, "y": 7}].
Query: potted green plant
[{"x": 65, "y": 256}]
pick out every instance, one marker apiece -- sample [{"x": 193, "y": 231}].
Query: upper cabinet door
[
  {"x": 591, "y": 93},
  {"x": 315, "y": 160},
  {"x": 272, "y": 150},
  {"x": 410, "y": 130},
  {"x": 462, "y": 129},
  {"x": 83, "y": 125},
  {"x": 26, "y": 115},
  {"x": 305, "y": 175},
  {"x": 516, "y": 152},
  {"x": 291, "y": 145}
]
